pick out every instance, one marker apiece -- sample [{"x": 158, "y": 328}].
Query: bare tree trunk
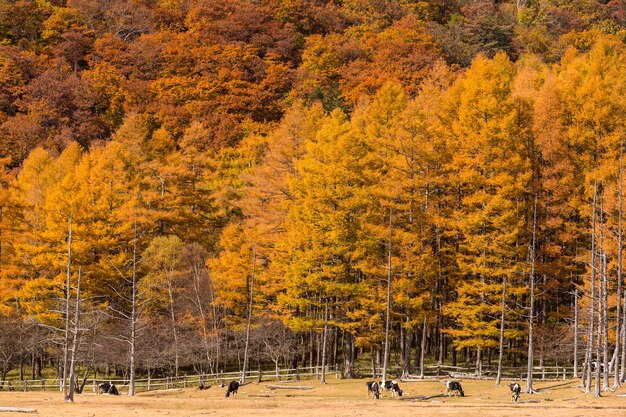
[
  {"x": 479, "y": 360},
  {"x": 501, "y": 348},
  {"x": 197, "y": 274},
  {"x": 618, "y": 334},
  {"x": 576, "y": 332},
  {"x": 406, "y": 352},
  {"x": 70, "y": 395},
  {"x": 605, "y": 325},
  {"x": 423, "y": 347},
  {"x": 531, "y": 312},
  {"x": 602, "y": 301},
  {"x": 170, "y": 293},
  {"x": 323, "y": 381},
  {"x": 348, "y": 354},
  {"x": 67, "y": 310},
  {"x": 250, "y": 301},
  {"x": 215, "y": 326},
  {"x": 623, "y": 375},
  {"x": 133, "y": 317},
  {"x": 590, "y": 334},
  {"x": 387, "y": 315}
]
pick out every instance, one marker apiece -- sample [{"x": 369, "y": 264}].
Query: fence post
[
  {"x": 43, "y": 385},
  {"x": 25, "y": 385}
]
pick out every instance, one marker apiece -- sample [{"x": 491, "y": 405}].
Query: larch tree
[{"x": 493, "y": 173}]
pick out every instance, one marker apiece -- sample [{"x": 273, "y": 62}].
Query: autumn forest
[{"x": 208, "y": 185}]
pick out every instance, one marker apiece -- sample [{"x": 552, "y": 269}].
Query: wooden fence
[{"x": 184, "y": 381}]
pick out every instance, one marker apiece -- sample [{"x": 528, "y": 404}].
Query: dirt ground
[{"x": 338, "y": 398}]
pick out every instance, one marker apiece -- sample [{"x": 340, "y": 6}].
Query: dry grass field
[{"x": 337, "y": 398}]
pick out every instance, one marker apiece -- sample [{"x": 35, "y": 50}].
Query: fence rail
[
  {"x": 184, "y": 381},
  {"x": 149, "y": 384}
]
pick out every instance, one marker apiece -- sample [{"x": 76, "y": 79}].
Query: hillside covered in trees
[{"x": 212, "y": 185}]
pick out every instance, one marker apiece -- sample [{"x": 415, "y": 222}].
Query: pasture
[{"x": 338, "y": 398}]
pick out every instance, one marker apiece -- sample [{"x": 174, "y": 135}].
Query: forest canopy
[{"x": 210, "y": 166}]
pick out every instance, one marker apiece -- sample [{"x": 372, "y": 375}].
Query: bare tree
[
  {"x": 576, "y": 332},
  {"x": 387, "y": 314},
  {"x": 72, "y": 372},
  {"x": 590, "y": 335},
  {"x": 423, "y": 347},
  {"x": 501, "y": 347},
  {"x": 323, "y": 381},
  {"x": 531, "y": 312},
  {"x": 618, "y": 324},
  {"x": 67, "y": 310},
  {"x": 133, "y": 317},
  {"x": 196, "y": 255},
  {"x": 250, "y": 303}
]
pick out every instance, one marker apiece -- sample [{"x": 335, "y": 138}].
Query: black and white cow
[
  {"x": 454, "y": 387},
  {"x": 107, "y": 388},
  {"x": 515, "y": 391},
  {"x": 232, "y": 388},
  {"x": 372, "y": 389},
  {"x": 391, "y": 386},
  {"x": 594, "y": 366}
]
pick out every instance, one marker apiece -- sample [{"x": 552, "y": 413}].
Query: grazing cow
[
  {"x": 372, "y": 389},
  {"x": 232, "y": 388},
  {"x": 108, "y": 388},
  {"x": 594, "y": 366},
  {"x": 515, "y": 390},
  {"x": 454, "y": 387},
  {"x": 391, "y": 386}
]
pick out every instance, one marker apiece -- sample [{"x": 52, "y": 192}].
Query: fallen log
[
  {"x": 420, "y": 397},
  {"x": 17, "y": 410},
  {"x": 300, "y": 387},
  {"x": 564, "y": 384}
]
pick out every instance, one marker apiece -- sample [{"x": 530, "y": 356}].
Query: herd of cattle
[{"x": 374, "y": 389}]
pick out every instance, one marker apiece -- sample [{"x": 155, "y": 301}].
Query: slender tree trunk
[
  {"x": 576, "y": 332},
  {"x": 605, "y": 325},
  {"x": 501, "y": 348},
  {"x": 348, "y": 355},
  {"x": 73, "y": 378},
  {"x": 406, "y": 352},
  {"x": 531, "y": 310},
  {"x": 170, "y": 292},
  {"x": 250, "y": 301},
  {"x": 479, "y": 360},
  {"x": 603, "y": 301},
  {"x": 133, "y": 317},
  {"x": 387, "y": 315},
  {"x": 623, "y": 375},
  {"x": 218, "y": 340},
  {"x": 590, "y": 334},
  {"x": 618, "y": 333},
  {"x": 323, "y": 381},
  {"x": 67, "y": 310},
  {"x": 205, "y": 333},
  {"x": 422, "y": 348}
]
